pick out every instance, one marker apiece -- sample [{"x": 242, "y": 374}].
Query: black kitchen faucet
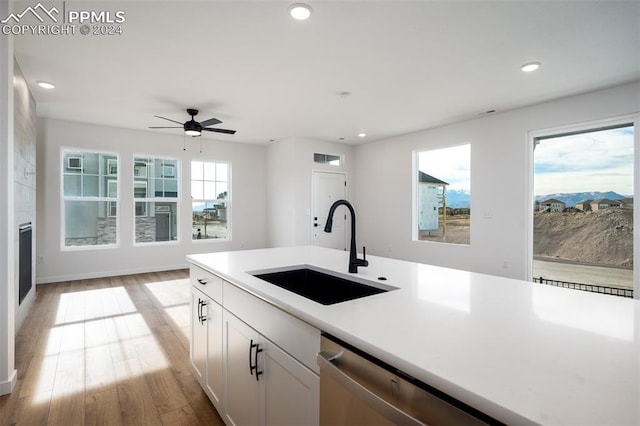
[{"x": 354, "y": 262}]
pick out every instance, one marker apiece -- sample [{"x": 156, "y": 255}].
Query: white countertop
[{"x": 518, "y": 351}]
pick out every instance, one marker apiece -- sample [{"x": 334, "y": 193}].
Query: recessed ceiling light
[
  {"x": 531, "y": 66},
  {"x": 300, "y": 11},
  {"x": 362, "y": 134},
  {"x": 46, "y": 85}
]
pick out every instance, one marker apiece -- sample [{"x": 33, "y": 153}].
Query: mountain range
[
  {"x": 459, "y": 198},
  {"x": 572, "y": 198}
]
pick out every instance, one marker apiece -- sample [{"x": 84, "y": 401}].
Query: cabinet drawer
[
  {"x": 296, "y": 337},
  {"x": 206, "y": 282}
]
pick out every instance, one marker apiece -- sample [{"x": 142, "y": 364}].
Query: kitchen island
[{"x": 520, "y": 352}]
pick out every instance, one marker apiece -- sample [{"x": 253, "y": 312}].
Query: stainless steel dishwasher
[{"x": 356, "y": 389}]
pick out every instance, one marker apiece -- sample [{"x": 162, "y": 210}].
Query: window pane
[
  {"x": 209, "y": 220},
  {"x": 333, "y": 160},
  {"x": 209, "y": 190},
  {"x": 170, "y": 187},
  {"x": 140, "y": 189},
  {"x": 158, "y": 223},
  {"x": 221, "y": 190},
  {"x": 197, "y": 190},
  {"x": 89, "y": 223},
  {"x": 72, "y": 185},
  {"x": 222, "y": 172},
  {"x": 209, "y": 171},
  {"x": 197, "y": 169},
  {"x": 90, "y": 186},
  {"x": 91, "y": 163},
  {"x": 443, "y": 197}
]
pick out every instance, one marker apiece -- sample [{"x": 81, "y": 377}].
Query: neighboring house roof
[
  {"x": 605, "y": 201},
  {"x": 585, "y": 202},
  {"x": 626, "y": 201},
  {"x": 425, "y": 178},
  {"x": 551, "y": 201}
]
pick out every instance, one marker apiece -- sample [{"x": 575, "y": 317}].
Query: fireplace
[{"x": 25, "y": 260}]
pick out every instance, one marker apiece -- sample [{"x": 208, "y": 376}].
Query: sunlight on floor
[{"x": 100, "y": 337}]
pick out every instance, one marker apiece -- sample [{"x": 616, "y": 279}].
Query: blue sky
[{"x": 596, "y": 161}]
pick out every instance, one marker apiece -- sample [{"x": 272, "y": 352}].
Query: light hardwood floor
[{"x": 108, "y": 351}]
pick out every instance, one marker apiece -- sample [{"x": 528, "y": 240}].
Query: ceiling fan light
[
  {"x": 192, "y": 133},
  {"x": 300, "y": 11}
]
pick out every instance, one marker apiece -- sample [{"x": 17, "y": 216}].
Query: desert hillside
[{"x": 599, "y": 237}]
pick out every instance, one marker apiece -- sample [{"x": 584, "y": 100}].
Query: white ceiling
[{"x": 409, "y": 65}]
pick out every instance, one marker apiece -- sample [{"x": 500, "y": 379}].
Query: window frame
[
  {"x": 533, "y": 135},
  {"x": 66, "y": 165},
  {"x": 415, "y": 191},
  {"x": 228, "y": 200},
  {"x": 141, "y": 171}
]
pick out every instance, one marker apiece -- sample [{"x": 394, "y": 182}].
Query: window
[
  {"x": 155, "y": 194},
  {"x": 583, "y": 230},
  {"x": 332, "y": 160},
  {"x": 442, "y": 195},
  {"x": 210, "y": 200},
  {"x": 90, "y": 199}
]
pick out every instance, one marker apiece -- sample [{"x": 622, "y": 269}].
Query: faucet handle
[{"x": 364, "y": 253}]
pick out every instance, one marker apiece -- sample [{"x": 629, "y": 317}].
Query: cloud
[
  {"x": 595, "y": 161},
  {"x": 451, "y": 165}
]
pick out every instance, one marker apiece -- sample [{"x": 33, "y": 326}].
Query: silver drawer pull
[{"x": 374, "y": 401}]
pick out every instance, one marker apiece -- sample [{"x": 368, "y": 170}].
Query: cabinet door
[
  {"x": 242, "y": 390},
  {"x": 198, "y": 349},
  {"x": 291, "y": 390},
  {"x": 215, "y": 379}
]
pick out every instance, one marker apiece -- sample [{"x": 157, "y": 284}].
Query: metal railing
[{"x": 593, "y": 288}]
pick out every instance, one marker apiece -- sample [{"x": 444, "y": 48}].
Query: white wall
[
  {"x": 499, "y": 182},
  {"x": 289, "y": 170},
  {"x": 247, "y": 195}
]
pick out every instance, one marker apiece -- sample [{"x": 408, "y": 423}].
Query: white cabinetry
[
  {"x": 206, "y": 333},
  {"x": 264, "y": 384},
  {"x": 255, "y": 362}
]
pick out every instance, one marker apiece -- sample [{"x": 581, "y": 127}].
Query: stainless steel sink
[{"x": 319, "y": 285}]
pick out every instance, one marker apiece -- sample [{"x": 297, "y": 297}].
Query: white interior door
[{"x": 328, "y": 188}]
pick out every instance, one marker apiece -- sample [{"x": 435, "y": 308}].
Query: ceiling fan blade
[
  {"x": 210, "y": 122},
  {"x": 165, "y": 118},
  {"x": 211, "y": 129},
  {"x": 173, "y": 127}
]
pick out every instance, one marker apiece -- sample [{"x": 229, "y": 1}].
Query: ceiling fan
[{"x": 192, "y": 127}]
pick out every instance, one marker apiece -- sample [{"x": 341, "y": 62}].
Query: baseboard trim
[
  {"x": 104, "y": 274},
  {"x": 8, "y": 386}
]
